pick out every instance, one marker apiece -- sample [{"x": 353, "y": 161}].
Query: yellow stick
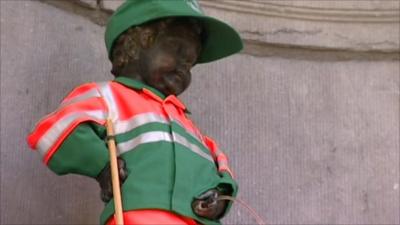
[{"x": 114, "y": 174}]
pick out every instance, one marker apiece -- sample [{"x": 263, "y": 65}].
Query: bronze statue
[{"x": 170, "y": 172}]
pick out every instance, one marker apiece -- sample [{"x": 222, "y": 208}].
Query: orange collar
[{"x": 152, "y": 92}]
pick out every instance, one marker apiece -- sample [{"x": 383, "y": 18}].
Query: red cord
[{"x": 252, "y": 212}]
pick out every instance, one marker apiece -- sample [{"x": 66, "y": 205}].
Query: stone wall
[
  {"x": 342, "y": 26},
  {"x": 308, "y": 113}
]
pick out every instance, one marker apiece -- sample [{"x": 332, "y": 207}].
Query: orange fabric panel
[
  {"x": 152, "y": 217},
  {"x": 46, "y": 123},
  {"x": 221, "y": 157},
  {"x": 80, "y": 90},
  {"x": 125, "y": 98},
  {"x": 212, "y": 146},
  {"x": 176, "y": 111},
  {"x": 171, "y": 107},
  {"x": 64, "y": 135},
  {"x": 218, "y": 155}
]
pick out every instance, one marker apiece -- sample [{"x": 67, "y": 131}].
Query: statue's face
[{"x": 166, "y": 64}]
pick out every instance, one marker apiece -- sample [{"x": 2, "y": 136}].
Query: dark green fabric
[
  {"x": 170, "y": 174},
  {"x": 148, "y": 127},
  {"x": 227, "y": 181},
  {"x": 83, "y": 152},
  {"x": 180, "y": 130},
  {"x": 221, "y": 39},
  {"x": 161, "y": 175},
  {"x": 166, "y": 176},
  {"x": 140, "y": 130}
]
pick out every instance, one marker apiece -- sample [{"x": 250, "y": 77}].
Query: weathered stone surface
[
  {"x": 352, "y": 5},
  {"x": 44, "y": 53},
  {"x": 310, "y": 24},
  {"x": 111, "y": 4},
  {"x": 311, "y": 142},
  {"x": 90, "y": 3},
  {"x": 314, "y": 24}
]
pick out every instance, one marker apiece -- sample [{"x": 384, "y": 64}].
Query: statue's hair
[{"x": 127, "y": 47}]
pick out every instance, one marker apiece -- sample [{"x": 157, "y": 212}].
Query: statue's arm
[
  {"x": 208, "y": 204},
  {"x": 83, "y": 152},
  {"x": 71, "y": 139}
]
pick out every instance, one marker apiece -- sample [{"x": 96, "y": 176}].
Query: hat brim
[{"x": 221, "y": 40}]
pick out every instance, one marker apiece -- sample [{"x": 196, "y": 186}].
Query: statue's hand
[
  {"x": 104, "y": 179},
  {"x": 207, "y": 205}
]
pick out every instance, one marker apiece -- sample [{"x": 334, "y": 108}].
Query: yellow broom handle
[{"x": 114, "y": 173}]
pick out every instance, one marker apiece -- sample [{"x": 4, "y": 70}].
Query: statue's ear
[{"x": 146, "y": 37}]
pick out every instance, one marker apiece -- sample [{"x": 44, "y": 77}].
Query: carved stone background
[
  {"x": 317, "y": 24},
  {"x": 314, "y": 24},
  {"x": 308, "y": 113}
]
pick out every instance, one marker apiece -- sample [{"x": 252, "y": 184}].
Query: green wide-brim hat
[{"x": 221, "y": 39}]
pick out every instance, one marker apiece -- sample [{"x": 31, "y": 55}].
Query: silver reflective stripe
[
  {"x": 78, "y": 98},
  {"x": 141, "y": 119},
  {"x": 189, "y": 132},
  {"x": 183, "y": 141},
  {"x": 108, "y": 97},
  {"x": 218, "y": 153},
  {"x": 52, "y": 135},
  {"x": 138, "y": 120},
  {"x": 156, "y": 136},
  {"x": 81, "y": 97},
  {"x": 144, "y": 138},
  {"x": 223, "y": 163}
]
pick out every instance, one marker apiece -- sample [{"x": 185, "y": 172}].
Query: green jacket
[{"x": 169, "y": 162}]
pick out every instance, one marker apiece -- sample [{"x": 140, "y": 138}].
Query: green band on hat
[{"x": 222, "y": 40}]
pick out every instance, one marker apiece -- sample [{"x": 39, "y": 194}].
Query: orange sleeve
[
  {"x": 219, "y": 157},
  {"x": 83, "y": 104}
]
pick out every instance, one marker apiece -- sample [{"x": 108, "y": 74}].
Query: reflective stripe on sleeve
[
  {"x": 81, "y": 97},
  {"x": 57, "y": 129},
  {"x": 222, "y": 157},
  {"x": 106, "y": 93},
  {"x": 218, "y": 153},
  {"x": 224, "y": 167},
  {"x": 222, "y": 161}
]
